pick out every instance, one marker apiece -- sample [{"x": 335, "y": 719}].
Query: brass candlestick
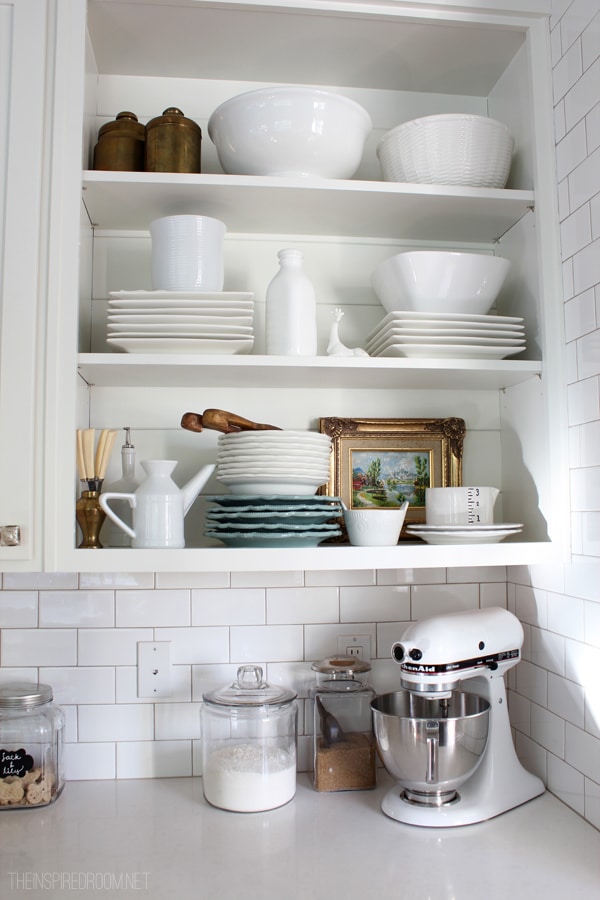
[{"x": 90, "y": 515}]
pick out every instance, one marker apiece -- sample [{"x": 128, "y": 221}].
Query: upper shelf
[
  {"x": 362, "y": 44},
  {"x": 251, "y": 204},
  {"x": 148, "y": 370}
]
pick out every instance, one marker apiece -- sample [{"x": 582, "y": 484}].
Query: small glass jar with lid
[
  {"x": 344, "y": 755},
  {"x": 249, "y": 734},
  {"x": 31, "y": 735}
]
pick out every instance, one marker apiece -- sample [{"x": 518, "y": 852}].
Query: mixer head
[{"x": 437, "y": 653}]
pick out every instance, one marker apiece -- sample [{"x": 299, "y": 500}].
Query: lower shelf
[{"x": 218, "y": 559}]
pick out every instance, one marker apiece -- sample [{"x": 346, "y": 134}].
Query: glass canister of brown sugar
[
  {"x": 120, "y": 146},
  {"x": 344, "y": 754},
  {"x": 173, "y": 143},
  {"x": 31, "y": 737}
]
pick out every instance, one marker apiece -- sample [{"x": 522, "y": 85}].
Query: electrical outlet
[
  {"x": 154, "y": 668},
  {"x": 358, "y": 645}
]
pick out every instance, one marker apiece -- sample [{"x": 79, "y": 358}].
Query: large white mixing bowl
[
  {"x": 290, "y": 131},
  {"x": 440, "y": 281}
]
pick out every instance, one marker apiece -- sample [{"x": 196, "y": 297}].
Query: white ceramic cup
[
  {"x": 187, "y": 253},
  {"x": 460, "y": 505},
  {"x": 374, "y": 527}
]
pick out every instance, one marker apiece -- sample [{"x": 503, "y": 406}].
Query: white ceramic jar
[{"x": 291, "y": 309}]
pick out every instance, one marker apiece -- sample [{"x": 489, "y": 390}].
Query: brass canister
[
  {"x": 173, "y": 143},
  {"x": 120, "y": 146}
]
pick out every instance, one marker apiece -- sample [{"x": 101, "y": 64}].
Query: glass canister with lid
[
  {"x": 31, "y": 736},
  {"x": 249, "y": 734},
  {"x": 344, "y": 755}
]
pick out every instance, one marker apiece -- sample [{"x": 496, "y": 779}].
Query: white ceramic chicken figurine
[{"x": 335, "y": 346}]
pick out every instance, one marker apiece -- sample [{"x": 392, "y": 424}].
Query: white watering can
[{"x": 159, "y": 506}]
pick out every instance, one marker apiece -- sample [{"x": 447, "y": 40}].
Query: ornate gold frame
[{"x": 440, "y": 439}]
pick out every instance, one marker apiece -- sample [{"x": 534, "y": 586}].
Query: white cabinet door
[{"x": 22, "y": 325}]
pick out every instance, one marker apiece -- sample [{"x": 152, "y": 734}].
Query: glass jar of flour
[
  {"x": 249, "y": 732},
  {"x": 31, "y": 733},
  {"x": 344, "y": 757}
]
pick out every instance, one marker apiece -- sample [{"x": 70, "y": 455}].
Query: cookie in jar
[{"x": 31, "y": 736}]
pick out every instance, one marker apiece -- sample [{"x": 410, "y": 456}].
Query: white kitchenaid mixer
[{"x": 450, "y": 749}]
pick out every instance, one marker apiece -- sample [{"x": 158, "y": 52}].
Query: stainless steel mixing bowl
[{"x": 430, "y": 746}]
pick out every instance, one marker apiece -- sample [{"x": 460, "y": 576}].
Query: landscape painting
[{"x": 387, "y": 478}]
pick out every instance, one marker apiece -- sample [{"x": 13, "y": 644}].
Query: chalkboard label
[{"x": 15, "y": 762}]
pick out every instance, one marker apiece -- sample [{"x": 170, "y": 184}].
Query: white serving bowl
[
  {"x": 290, "y": 131},
  {"x": 440, "y": 281},
  {"x": 461, "y": 149}
]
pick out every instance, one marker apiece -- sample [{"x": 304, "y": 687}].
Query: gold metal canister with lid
[
  {"x": 120, "y": 146},
  {"x": 173, "y": 143}
]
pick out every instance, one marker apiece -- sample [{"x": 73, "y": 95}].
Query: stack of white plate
[
  {"x": 274, "y": 462},
  {"x": 455, "y": 335},
  {"x": 464, "y": 534},
  {"x": 270, "y": 520},
  {"x": 180, "y": 322}
]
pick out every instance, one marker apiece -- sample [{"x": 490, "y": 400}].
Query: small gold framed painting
[{"x": 381, "y": 463}]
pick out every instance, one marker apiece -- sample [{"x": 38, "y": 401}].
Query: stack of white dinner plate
[
  {"x": 180, "y": 322},
  {"x": 454, "y": 335},
  {"x": 464, "y": 534},
  {"x": 273, "y": 462},
  {"x": 272, "y": 520}
]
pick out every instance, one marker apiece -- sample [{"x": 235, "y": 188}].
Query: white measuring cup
[{"x": 460, "y": 505}]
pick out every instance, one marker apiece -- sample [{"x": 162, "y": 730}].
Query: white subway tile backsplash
[
  {"x": 18, "y": 609},
  {"x": 152, "y": 608},
  {"x": 589, "y": 441},
  {"x": 90, "y": 761},
  {"x": 111, "y": 646},
  {"x": 430, "y": 600},
  {"x": 154, "y": 759},
  {"x": 10, "y": 674},
  {"x": 565, "y": 615},
  {"x": 187, "y": 580},
  {"x": 387, "y": 635},
  {"x": 383, "y": 603},
  {"x": 196, "y": 645},
  {"x": 548, "y": 730},
  {"x": 77, "y": 609},
  {"x": 582, "y": 751},
  {"x": 566, "y": 783},
  {"x": 592, "y": 802},
  {"x": 547, "y": 650},
  {"x": 113, "y": 580},
  {"x": 208, "y": 677},
  {"x": 583, "y": 95},
  {"x": 288, "y": 606},
  {"x": 38, "y": 581},
  {"x": 531, "y": 606},
  {"x": 38, "y": 647},
  {"x": 177, "y": 721},
  {"x": 267, "y": 579},
  {"x": 269, "y": 642},
  {"x": 532, "y": 682},
  {"x": 493, "y": 594},
  {"x": 121, "y": 722},
  {"x": 81, "y": 684},
  {"x": 335, "y": 577},
  {"x": 476, "y": 574},
  {"x": 234, "y": 606},
  {"x": 566, "y": 699},
  {"x": 411, "y": 576}
]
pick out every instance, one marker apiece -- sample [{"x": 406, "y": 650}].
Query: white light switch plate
[{"x": 154, "y": 669}]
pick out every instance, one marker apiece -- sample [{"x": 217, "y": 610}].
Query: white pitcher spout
[{"x": 191, "y": 490}]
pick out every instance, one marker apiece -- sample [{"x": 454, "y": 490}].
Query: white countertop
[{"x": 162, "y": 840}]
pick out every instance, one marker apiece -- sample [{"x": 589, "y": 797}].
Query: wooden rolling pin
[{"x": 221, "y": 420}]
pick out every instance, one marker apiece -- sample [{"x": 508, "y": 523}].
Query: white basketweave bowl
[
  {"x": 290, "y": 131},
  {"x": 440, "y": 281},
  {"x": 460, "y": 149}
]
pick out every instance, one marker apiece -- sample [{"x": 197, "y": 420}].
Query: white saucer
[
  {"x": 462, "y": 537},
  {"x": 508, "y": 526}
]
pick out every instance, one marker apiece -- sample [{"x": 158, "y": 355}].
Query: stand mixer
[{"x": 450, "y": 749}]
